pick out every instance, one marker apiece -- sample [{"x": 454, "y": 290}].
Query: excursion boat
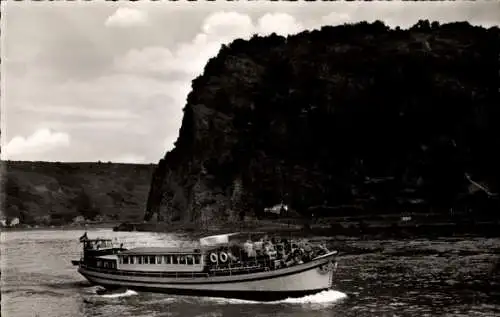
[{"x": 217, "y": 266}]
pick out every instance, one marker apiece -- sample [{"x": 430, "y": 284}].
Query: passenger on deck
[
  {"x": 307, "y": 254},
  {"x": 249, "y": 249},
  {"x": 259, "y": 246},
  {"x": 231, "y": 256},
  {"x": 270, "y": 251},
  {"x": 234, "y": 252}
]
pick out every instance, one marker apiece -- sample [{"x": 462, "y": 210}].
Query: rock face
[{"x": 355, "y": 115}]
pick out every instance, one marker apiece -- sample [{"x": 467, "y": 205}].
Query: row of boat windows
[
  {"x": 106, "y": 264},
  {"x": 161, "y": 259}
]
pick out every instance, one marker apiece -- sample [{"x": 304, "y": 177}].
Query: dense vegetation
[
  {"x": 43, "y": 193},
  {"x": 360, "y": 115}
]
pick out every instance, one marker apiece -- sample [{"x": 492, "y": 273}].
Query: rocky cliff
[{"x": 356, "y": 115}]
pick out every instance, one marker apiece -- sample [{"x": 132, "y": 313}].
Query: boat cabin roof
[
  {"x": 160, "y": 251},
  {"x": 97, "y": 240},
  {"x": 228, "y": 238},
  {"x": 108, "y": 257}
]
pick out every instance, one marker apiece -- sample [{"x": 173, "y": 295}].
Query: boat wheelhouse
[
  {"x": 94, "y": 248},
  {"x": 217, "y": 266}
]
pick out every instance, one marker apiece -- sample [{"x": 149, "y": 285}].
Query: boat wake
[
  {"x": 127, "y": 293},
  {"x": 319, "y": 300},
  {"x": 95, "y": 294},
  {"x": 324, "y": 298}
]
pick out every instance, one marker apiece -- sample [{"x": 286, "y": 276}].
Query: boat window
[
  {"x": 132, "y": 260},
  {"x": 98, "y": 264},
  {"x": 175, "y": 259},
  {"x": 182, "y": 259},
  {"x": 152, "y": 259},
  {"x": 159, "y": 259},
  {"x": 124, "y": 260},
  {"x": 140, "y": 260},
  {"x": 166, "y": 259},
  {"x": 196, "y": 259},
  {"x": 190, "y": 260}
]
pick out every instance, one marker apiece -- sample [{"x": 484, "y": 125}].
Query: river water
[{"x": 439, "y": 277}]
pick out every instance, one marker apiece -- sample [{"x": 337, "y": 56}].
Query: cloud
[
  {"x": 35, "y": 145},
  {"x": 227, "y": 24},
  {"x": 187, "y": 60},
  {"x": 279, "y": 23},
  {"x": 336, "y": 18},
  {"x": 127, "y": 17},
  {"x": 217, "y": 29}
]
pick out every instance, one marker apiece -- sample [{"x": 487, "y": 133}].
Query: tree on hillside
[{"x": 85, "y": 206}]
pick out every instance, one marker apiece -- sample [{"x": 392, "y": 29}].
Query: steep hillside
[
  {"x": 57, "y": 193},
  {"x": 356, "y": 115}
]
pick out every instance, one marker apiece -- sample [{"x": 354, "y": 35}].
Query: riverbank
[
  {"x": 92, "y": 226},
  {"x": 359, "y": 229}
]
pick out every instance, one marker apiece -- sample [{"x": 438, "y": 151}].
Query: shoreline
[
  {"x": 330, "y": 231},
  {"x": 63, "y": 227}
]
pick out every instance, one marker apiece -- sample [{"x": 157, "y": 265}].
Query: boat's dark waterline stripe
[
  {"x": 249, "y": 279},
  {"x": 263, "y": 296}
]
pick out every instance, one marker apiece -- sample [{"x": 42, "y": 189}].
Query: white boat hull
[{"x": 296, "y": 281}]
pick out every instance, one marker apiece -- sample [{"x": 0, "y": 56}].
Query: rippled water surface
[{"x": 443, "y": 277}]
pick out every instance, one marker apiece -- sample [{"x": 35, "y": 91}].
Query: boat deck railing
[{"x": 247, "y": 266}]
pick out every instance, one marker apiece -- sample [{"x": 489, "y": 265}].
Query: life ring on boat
[
  {"x": 223, "y": 257},
  {"x": 213, "y": 257}
]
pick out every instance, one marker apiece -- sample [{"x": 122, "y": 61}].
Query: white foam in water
[
  {"x": 322, "y": 298},
  {"x": 125, "y": 294}
]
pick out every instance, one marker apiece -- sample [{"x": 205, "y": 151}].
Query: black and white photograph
[{"x": 250, "y": 158}]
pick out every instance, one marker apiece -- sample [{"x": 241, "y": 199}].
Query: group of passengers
[{"x": 281, "y": 251}]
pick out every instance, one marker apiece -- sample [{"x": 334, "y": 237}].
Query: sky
[{"x": 107, "y": 81}]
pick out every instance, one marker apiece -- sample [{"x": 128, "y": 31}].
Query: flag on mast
[{"x": 84, "y": 237}]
